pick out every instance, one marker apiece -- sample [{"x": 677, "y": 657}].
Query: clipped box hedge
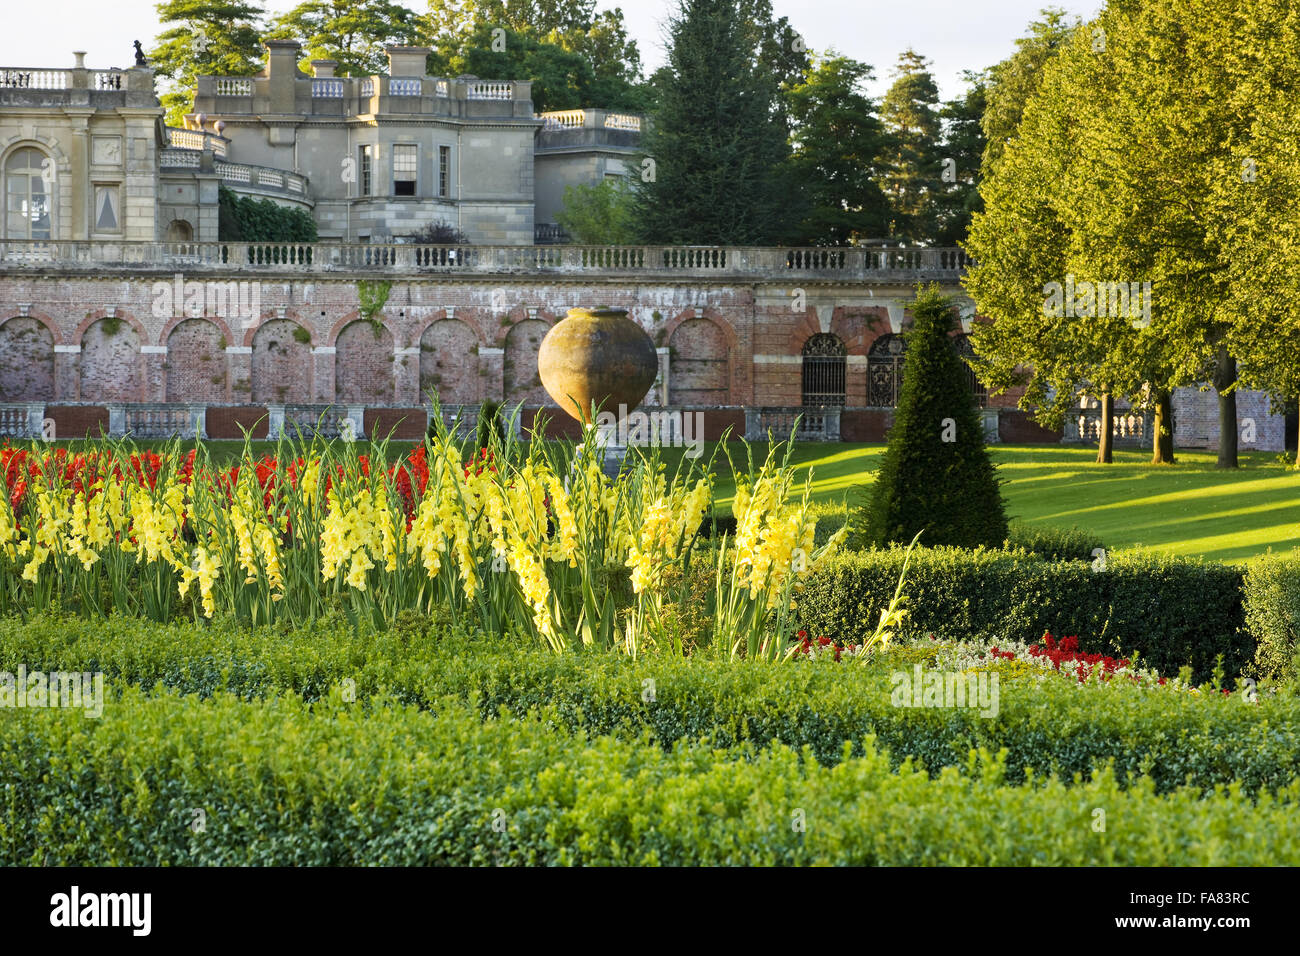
[
  {"x": 186, "y": 781},
  {"x": 1171, "y": 737},
  {"x": 1169, "y": 611},
  {"x": 1271, "y": 597}
]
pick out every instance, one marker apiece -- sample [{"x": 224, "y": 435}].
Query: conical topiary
[{"x": 936, "y": 474}]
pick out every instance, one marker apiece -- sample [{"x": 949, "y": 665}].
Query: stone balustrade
[
  {"x": 263, "y": 178},
  {"x": 848, "y": 264},
  {"x": 197, "y": 140},
  {"x": 27, "y": 78}
]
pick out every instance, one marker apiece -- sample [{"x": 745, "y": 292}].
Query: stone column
[
  {"x": 662, "y": 382},
  {"x": 67, "y": 373},
  {"x": 491, "y": 365},
  {"x": 154, "y": 358},
  {"x": 406, "y": 376},
  {"x": 323, "y": 374},
  {"x": 239, "y": 373}
]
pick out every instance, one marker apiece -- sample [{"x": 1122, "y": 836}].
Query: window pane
[{"x": 105, "y": 209}]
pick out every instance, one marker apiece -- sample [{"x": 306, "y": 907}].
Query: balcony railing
[
  {"x": 905, "y": 266},
  {"x": 263, "y": 177},
  {"x": 24, "y": 78},
  {"x": 196, "y": 140}
]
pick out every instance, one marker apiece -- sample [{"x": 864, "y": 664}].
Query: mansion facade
[{"x": 111, "y": 215}]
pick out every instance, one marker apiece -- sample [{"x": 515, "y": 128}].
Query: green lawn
[{"x": 1188, "y": 508}]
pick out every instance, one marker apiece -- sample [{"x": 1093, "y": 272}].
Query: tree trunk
[
  {"x": 1106, "y": 440},
  {"x": 1225, "y": 376},
  {"x": 1162, "y": 445}
]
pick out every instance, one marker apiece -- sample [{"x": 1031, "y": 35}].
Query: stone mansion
[{"x": 107, "y": 209}]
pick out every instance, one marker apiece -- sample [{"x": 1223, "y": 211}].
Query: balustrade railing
[
  {"x": 327, "y": 89},
  {"x": 564, "y": 119},
  {"x": 814, "y": 424},
  {"x": 1130, "y": 427},
  {"x": 156, "y": 420},
  {"x": 233, "y": 86},
  {"x": 488, "y": 90},
  {"x": 623, "y": 121},
  {"x": 842, "y": 264},
  {"x": 23, "y": 78}
]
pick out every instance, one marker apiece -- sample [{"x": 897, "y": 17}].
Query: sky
[{"x": 955, "y": 35}]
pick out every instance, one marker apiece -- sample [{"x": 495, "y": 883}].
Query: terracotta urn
[{"x": 597, "y": 356}]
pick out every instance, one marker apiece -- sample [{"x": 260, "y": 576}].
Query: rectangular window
[
  {"x": 404, "y": 170},
  {"x": 444, "y": 170},
  {"x": 367, "y": 170},
  {"x": 106, "y": 200}
]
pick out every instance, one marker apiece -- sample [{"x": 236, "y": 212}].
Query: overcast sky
[{"x": 955, "y": 35}]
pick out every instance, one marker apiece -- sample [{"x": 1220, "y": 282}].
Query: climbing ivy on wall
[
  {"x": 372, "y": 296},
  {"x": 242, "y": 218}
]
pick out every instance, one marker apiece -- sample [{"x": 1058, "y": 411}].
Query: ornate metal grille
[
  {"x": 885, "y": 371},
  {"x": 823, "y": 370},
  {"x": 967, "y": 353}
]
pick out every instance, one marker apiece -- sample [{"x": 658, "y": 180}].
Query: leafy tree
[
  {"x": 1020, "y": 243},
  {"x": 1254, "y": 195},
  {"x": 1129, "y": 150},
  {"x": 573, "y": 55},
  {"x": 353, "y": 32},
  {"x": 717, "y": 144},
  {"x": 1012, "y": 83},
  {"x": 957, "y": 196},
  {"x": 600, "y": 214},
  {"x": 837, "y": 141},
  {"x": 910, "y": 111},
  {"x": 936, "y": 474},
  {"x": 220, "y": 37},
  {"x": 561, "y": 79}
]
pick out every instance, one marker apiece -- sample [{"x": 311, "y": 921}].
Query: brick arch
[
  {"x": 27, "y": 373},
  {"x": 700, "y": 361},
  {"x": 112, "y": 368},
  {"x": 176, "y": 320},
  {"x": 364, "y": 365},
  {"x": 522, "y": 383},
  {"x": 858, "y": 326},
  {"x": 268, "y": 315},
  {"x": 196, "y": 363},
  {"x": 332, "y": 336},
  {"x": 449, "y": 361},
  {"x": 43, "y": 318},
  {"x": 281, "y": 368},
  {"x": 713, "y": 315},
  {"x": 516, "y": 317},
  {"x": 93, "y": 317}
]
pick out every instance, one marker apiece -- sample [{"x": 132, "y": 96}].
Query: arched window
[
  {"x": 885, "y": 371},
  {"x": 823, "y": 370},
  {"x": 178, "y": 230},
  {"x": 29, "y": 206},
  {"x": 981, "y": 394}
]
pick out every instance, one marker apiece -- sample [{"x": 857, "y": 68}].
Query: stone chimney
[
  {"x": 282, "y": 69},
  {"x": 407, "y": 60},
  {"x": 323, "y": 68}
]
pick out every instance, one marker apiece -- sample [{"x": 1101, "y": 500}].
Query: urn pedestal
[{"x": 598, "y": 362}]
